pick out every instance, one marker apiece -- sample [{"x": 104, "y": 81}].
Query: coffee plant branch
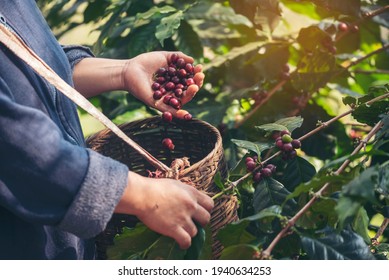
[
  {"x": 365, "y": 16},
  {"x": 232, "y": 185},
  {"x": 266, "y": 253},
  {"x": 380, "y": 231},
  {"x": 355, "y": 62}
]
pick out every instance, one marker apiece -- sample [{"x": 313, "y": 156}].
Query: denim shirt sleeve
[
  {"x": 49, "y": 181},
  {"x": 76, "y": 53}
]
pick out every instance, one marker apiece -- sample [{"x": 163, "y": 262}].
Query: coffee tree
[{"x": 299, "y": 91}]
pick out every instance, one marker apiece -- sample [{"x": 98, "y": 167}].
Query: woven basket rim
[{"x": 182, "y": 173}]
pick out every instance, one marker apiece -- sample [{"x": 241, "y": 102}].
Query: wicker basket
[{"x": 197, "y": 140}]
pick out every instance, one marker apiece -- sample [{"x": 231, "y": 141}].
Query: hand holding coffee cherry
[{"x": 143, "y": 77}]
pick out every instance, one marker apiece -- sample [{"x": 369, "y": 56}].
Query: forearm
[{"x": 93, "y": 76}]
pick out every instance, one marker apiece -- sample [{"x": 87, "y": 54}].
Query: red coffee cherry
[
  {"x": 257, "y": 177},
  {"x": 266, "y": 172},
  {"x": 343, "y": 27},
  {"x": 296, "y": 144},
  {"x": 167, "y": 116},
  {"x": 168, "y": 143},
  {"x": 251, "y": 165}
]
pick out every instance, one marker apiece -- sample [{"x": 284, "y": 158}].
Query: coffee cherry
[
  {"x": 283, "y": 132},
  {"x": 155, "y": 86},
  {"x": 279, "y": 143},
  {"x": 175, "y": 79},
  {"x": 343, "y": 27},
  {"x": 168, "y": 143},
  {"x": 170, "y": 86},
  {"x": 180, "y": 63},
  {"x": 249, "y": 159},
  {"x": 354, "y": 28},
  {"x": 174, "y": 58},
  {"x": 160, "y": 80},
  {"x": 292, "y": 154},
  {"x": 296, "y": 144},
  {"x": 190, "y": 81},
  {"x": 161, "y": 71},
  {"x": 172, "y": 71},
  {"x": 166, "y": 99},
  {"x": 257, "y": 177},
  {"x": 286, "y": 138},
  {"x": 178, "y": 92},
  {"x": 182, "y": 73},
  {"x": 189, "y": 68},
  {"x": 157, "y": 94},
  {"x": 174, "y": 103},
  {"x": 287, "y": 147},
  {"x": 272, "y": 168},
  {"x": 266, "y": 172},
  {"x": 167, "y": 116},
  {"x": 251, "y": 165}
]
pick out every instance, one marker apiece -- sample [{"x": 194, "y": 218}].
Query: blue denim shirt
[{"x": 55, "y": 194}]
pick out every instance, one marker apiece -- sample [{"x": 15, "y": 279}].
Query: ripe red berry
[
  {"x": 272, "y": 168},
  {"x": 167, "y": 116},
  {"x": 279, "y": 144},
  {"x": 251, "y": 165},
  {"x": 170, "y": 86},
  {"x": 160, "y": 80},
  {"x": 296, "y": 144},
  {"x": 249, "y": 159},
  {"x": 257, "y": 177},
  {"x": 174, "y": 103},
  {"x": 157, "y": 94},
  {"x": 266, "y": 172},
  {"x": 179, "y": 86},
  {"x": 354, "y": 28},
  {"x": 174, "y": 58},
  {"x": 283, "y": 132},
  {"x": 189, "y": 68},
  {"x": 162, "y": 90},
  {"x": 343, "y": 27},
  {"x": 155, "y": 86},
  {"x": 180, "y": 63},
  {"x": 178, "y": 92},
  {"x": 172, "y": 71},
  {"x": 175, "y": 79},
  {"x": 182, "y": 73},
  {"x": 167, "y": 98},
  {"x": 161, "y": 71},
  {"x": 287, "y": 147},
  {"x": 168, "y": 143}
]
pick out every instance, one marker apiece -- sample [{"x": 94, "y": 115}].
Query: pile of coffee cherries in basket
[{"x": 170, "y": 85}]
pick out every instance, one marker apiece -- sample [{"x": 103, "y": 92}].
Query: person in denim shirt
[{"x": 56, "y": 194}]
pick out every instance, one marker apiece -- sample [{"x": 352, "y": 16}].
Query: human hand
[
  {"x": 138, "y": 78},
  {"x": 166, "y": 206}
]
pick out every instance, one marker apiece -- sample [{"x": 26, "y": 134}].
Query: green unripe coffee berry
[{"x": 286, "y": 138}]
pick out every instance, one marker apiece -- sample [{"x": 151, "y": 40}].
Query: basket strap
[{"x": 20, "y": 49}]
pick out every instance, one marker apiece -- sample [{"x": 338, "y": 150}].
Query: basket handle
[{"x": 20, "y": 49}]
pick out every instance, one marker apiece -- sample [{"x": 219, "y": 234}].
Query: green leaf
[
  {"x": 239, "y": 252},
  {"x": 141, "y": 41},
  {"x": 290, "y": 124},
  {"x": 194, "y": 251},
  {"x": 361, "y": 223},
  {"x": 131, "y": 241},
  {"x": 206, "y": 252},
  {"x": 165, "y": 248},
  {"x": 381, "y": 251},
  {"x": 270, "y": 212},
  {"x": 234, "y": 234},
  {"x": 255, "y": 147},
  {"x": 303, "y": 8},
  {"x": 218, "y": 180},
  {"x": 344, "y": 7},
  {"x": 298, "y": 171},
  {"x": 209, "y": 11},
  {"x": 312, "y": 37},
  {"x": 346, "y": 245},
  {"x": 271, "y": 192},
  {"x": 347, "y": 209},
  {"x": 187, "y": 41},
  {"x": 156, "y": 11},
  {"x": 168, "y": 26}
]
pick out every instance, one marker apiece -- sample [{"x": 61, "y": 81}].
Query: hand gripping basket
[{"x": 195, "y": 139}]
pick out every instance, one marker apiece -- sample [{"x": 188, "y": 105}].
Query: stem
[
  {"x": 355, "y": 62},
  {"x": 376, "y": 71},
  {"x": 381, "y": 230},
  {"x": 266, "y": 253}
]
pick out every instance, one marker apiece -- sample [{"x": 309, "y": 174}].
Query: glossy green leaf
[
  {"x": 346, "y": 245},
  {"x": 234, "y": 234},
  {"x": 257, "y": 148},
  {"x": 298, "y": 170},
  {"x": 141, "y": 41},
  {"x": 188, "y": 41},
  {"x": 194, "y": 251},
  {"x": 131, "y": 241},
  {"x": 165, "y": 248},
  {"x": 239, "y": 252},
  {"x": 168, "y": 26},
  {"x": 361, "y": 223},
  {"x": 271, "y": 192},
  {"x": 290, "y": 124}
]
